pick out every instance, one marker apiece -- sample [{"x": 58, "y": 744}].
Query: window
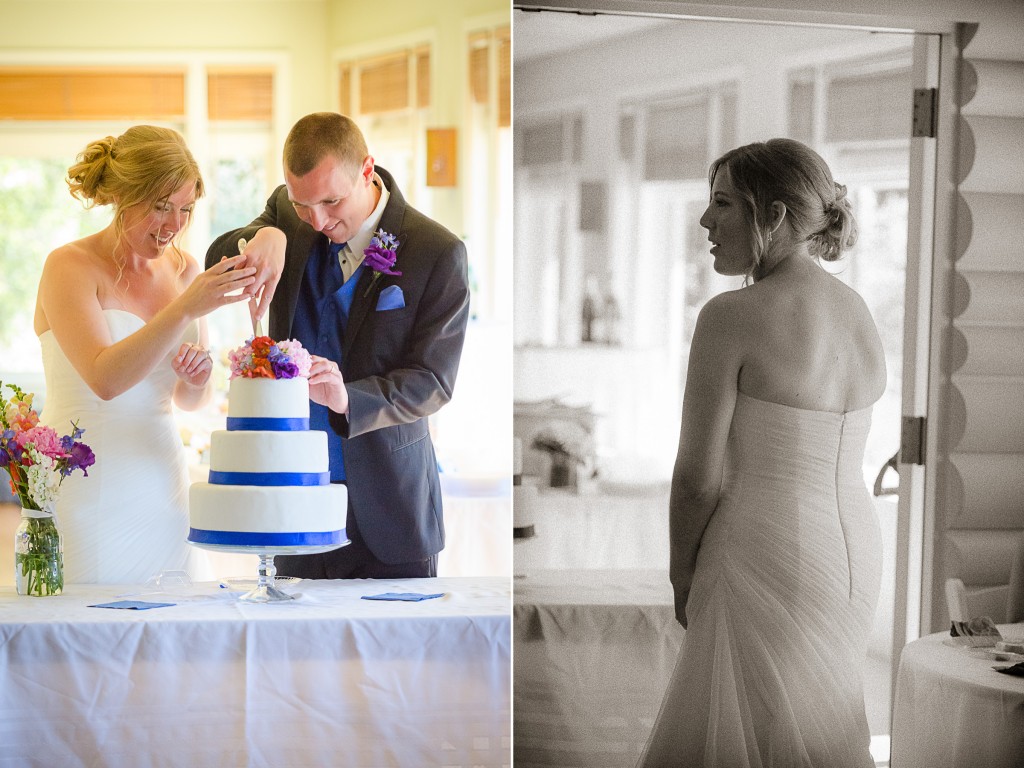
[
  {"x": 52, "y": 113},
  {"x": 489, "y": 173},
  {"x": 388, "y": 95}
]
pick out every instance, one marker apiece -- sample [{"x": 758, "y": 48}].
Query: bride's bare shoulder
[
  {"x": 723, "y": 309},
  {"x": 78, "y": 262}
]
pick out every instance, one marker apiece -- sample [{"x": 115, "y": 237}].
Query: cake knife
[{"x": 257, "y": 326}]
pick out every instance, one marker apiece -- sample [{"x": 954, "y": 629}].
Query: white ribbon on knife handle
[{"x": 257, "y": 325}]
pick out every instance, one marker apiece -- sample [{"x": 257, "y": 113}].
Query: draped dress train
[
  {"x": 128, "y": 520},
  {"x": 782, "y": 602}
]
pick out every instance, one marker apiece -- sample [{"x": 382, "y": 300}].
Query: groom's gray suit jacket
[{"x": 399, "y": 366}]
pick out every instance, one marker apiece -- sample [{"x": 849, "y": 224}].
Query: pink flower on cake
[{"x": 263, "y": 358}]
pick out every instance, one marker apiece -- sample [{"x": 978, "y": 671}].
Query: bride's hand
[
  {"x": 681, "y": 598},
  {"x": 209, "y": 290},
  {"x": 193, "y": 365}
]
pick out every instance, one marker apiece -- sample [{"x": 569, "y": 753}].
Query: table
[
  {"x": 952, "y": 709},
  {"x": 326, "y": 680},
  {"x": 477, "y": 526},
  {"x": 627, "y": 530},
  {"x": 593, "y": 654}
]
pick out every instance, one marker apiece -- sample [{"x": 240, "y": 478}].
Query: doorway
[{"x": 845, "y": 92}]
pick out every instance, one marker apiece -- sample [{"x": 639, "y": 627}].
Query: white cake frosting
[
  {"x": 267, "y": 509},
  {"x": 262, "y": 451},
  {"x": 269, "y": 481},
  {"x": 268, "y": 398}
]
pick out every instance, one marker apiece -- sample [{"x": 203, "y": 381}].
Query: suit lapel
[{"x": 390, "y": 221}]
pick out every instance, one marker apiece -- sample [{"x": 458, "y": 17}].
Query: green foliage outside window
[{"x": 37, "y": 214}]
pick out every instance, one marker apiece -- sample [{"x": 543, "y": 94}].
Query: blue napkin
[
  {"x": 411, "y": 596},
  {"x": 135, "y": 605}
]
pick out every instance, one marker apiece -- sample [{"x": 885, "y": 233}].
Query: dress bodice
[
  {"x": 127, "y": 520},
  {"x": 67, "y": 390},
  {"x": 796, "y": 445}
]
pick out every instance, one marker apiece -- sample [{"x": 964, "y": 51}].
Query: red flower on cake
[{"x": 263, "y": 358}]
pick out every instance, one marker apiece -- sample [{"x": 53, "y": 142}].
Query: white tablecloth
[
  {"x": 952, "y": 709},
  {"x": 329, "y": 679},
  {"x": 593, "y": 654},
  {"x": 597, "y": 531}
]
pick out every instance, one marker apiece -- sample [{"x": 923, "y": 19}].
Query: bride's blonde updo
[
  {"x": 141, "y": 166},
  {"x": 792, "y": 173}
]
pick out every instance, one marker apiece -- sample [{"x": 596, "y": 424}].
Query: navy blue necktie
[{"x": 325, "y": 298}]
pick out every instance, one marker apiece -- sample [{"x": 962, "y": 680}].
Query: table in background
[
  {"x": 325, "y": 680},
  {"x": 593, "y": 654},
  {"x": 952, "y": 709},
  {"x": 626, "y": 530},
  {"x": 477, "y": 525}
]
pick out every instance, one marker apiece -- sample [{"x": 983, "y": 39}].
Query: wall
[
  {"x": 351, "y": 23},
  {"x": 293, "y": 27}
]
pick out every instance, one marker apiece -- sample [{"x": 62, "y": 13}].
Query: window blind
[
  {"x": 240, "y": 95},
  {"x": 51, "y": 93}
]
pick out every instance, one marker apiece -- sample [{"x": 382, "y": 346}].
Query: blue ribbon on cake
[
  {"x": 260, "y": 424},
  {"x": 262, "y": 539},
  {"x": 269, "y": 478}
]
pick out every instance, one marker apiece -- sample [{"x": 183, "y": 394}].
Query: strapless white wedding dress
[
  {"x": 128, "y": 520},
  {"x": 782, "y": 602}
]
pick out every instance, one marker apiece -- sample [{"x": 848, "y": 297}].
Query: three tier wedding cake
[{"x": 269, "y": 484}]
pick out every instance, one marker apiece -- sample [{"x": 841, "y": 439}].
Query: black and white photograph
[
  {"x": 768, "y": 385},
  {"x": 512, "y": 384}
]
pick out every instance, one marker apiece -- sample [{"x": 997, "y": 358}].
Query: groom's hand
[
  {"x": 265, "y": 252},
  {"x": 327, "y": 386}
]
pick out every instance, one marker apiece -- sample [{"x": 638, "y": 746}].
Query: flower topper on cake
[
  {"x": 380, "y": 257},
  {"x": 36, "y": 459},
  {"x": 263, "y": 358}
]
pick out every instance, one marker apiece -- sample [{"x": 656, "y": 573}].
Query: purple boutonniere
[{"x": 380, "y": 257}]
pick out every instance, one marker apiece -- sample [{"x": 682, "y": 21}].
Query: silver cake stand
[{"x": 265, "y": 590}]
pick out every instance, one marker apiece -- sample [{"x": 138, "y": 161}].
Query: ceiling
[{"x": 537, "y": 34}]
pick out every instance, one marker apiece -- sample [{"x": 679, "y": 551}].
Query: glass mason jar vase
[{"x": 38, "y": 556}]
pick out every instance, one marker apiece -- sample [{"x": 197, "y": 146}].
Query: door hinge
[
  {"x": 912, "y": 439},
  {"x": 925, "y": 103}
]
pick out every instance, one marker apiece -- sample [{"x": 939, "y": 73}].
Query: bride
[
  {"x": 775, "y": 549},
  {"x": 118, "y": 317}
]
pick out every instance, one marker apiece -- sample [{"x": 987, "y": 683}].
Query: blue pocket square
[{"x": 390, "y": 298}]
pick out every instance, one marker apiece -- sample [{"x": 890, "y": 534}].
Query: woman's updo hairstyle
[
  {"x": 792, "y": 173},
  {"x": 143, "y": 165}
]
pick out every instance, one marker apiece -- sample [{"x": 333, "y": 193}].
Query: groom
[{"x": 393, "y": 336}]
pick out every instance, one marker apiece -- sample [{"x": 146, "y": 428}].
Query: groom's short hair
[{"x": 322, "y": 134}]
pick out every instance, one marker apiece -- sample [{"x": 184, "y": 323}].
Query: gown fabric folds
[
  {"x": 128, "y": 520},
  {"x": 782, "y": 602}
]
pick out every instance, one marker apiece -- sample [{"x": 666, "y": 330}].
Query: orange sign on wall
[{"x": 442, "y": 170}]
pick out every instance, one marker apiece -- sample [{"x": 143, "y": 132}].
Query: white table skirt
[
  {"x": 325, "y": 680},
  {"x": 952, "y": 709},
  {"x": 593, "y": 654}
]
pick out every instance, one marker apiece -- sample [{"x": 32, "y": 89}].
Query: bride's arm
[
  {"x": 192, "y": 364},
  {"x": 708, "y": 404},
  {"x": 69, "y": 301}
]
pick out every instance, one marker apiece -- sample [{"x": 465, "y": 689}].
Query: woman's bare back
[{"x": 811, "y": 341}]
